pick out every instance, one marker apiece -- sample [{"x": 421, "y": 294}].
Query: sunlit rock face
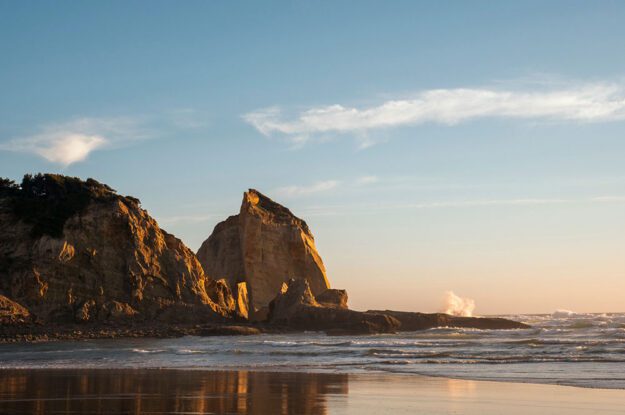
[
  {"x": 76, "y": 251},
  {"x": 264, "y": 246},
  {"x": 12, "y": 312}
]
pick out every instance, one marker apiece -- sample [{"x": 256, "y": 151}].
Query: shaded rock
[
  {"x": 333, "y": 298},
  {"x": 185, "y": 313},
  {"x": 292, "y": 296},
  {"x": 118, "y": 311},
  {"x": 228, "y": 331},
  {"x": 86, "y": 312},
  {"x": 73, "y": 250},
  {"x": 219, "y": 292},
  {"x": 264, "y": 246},
  {"x": 296, "y": 308},
  {"x": 259, "y": 314},
  {"x": 422, "y": 321},
  {"x": 221, "y": 255}
]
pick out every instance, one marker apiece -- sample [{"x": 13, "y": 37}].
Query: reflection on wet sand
[
  {"x": 166, "y": 391},
  {"x": 154, "y": 391}
]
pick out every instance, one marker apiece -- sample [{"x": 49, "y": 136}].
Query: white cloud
[
  {"x": 365, "y": 180},
  {"x": 323, "y": 186},
  {"x": 583, "y": 103},
  {"x": 71, "y": 142},
  {"x": 68, "y": 148}
]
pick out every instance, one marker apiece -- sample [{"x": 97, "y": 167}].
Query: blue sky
[{"x": 468, "y": 146}]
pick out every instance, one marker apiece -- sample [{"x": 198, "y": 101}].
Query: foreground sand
[{"x": 243, "y": 392}]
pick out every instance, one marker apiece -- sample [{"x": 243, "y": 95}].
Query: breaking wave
[{"x": 457, "y": 306}]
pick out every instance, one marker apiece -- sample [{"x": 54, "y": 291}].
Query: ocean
[{"x": 586, "y": 350}]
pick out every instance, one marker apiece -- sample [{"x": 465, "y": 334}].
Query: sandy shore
[{"x": 152, "y": 391}]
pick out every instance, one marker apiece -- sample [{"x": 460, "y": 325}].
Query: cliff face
[
  {"x": 264, "y": 246},
  {"x": 76, "y": 251}
]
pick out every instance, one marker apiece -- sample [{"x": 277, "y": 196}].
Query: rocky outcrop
[
  {"x": 87, "y": 262},
  {"x": 422, "y": 321},
  {"x": 263, "y": 246},
  {"x": 73, "y": 250},
  {"x": 296, "y": 308},
  {"x": 12, "y": 312},
  {"x": 242, "y": 301},
  {"x": 333, "y": 298}
]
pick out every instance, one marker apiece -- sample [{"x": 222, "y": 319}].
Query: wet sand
[{"x": 153, "y": 391}]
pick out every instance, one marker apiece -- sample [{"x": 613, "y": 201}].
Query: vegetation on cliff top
[{"x": 47, "y": 201}]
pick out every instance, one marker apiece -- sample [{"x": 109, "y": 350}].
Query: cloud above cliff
[
  {"x": 62, "y": 148},
  {"x": 368, "y": 209},
  {"x": 73, "y": 141},
  {"x": 597, "y": 102},
  {"x": 297, "y": 190}
]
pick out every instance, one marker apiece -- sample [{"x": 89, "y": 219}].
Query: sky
[{"x": 474, "y": 147}]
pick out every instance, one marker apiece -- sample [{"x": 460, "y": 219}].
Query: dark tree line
[{"x": 47, "y": 201}]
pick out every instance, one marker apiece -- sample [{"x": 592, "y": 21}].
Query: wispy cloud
[
  {"x": 63, "y": 148},
  {"x": 318, "y": 187},
  {"x": 609, "y": 199},
  {"x": 188, "y": 118},
  {"x": 487, "y": 202},
  {"x": 197, "y": 218},
  {"x": 73, "y": 141},
  {"x": 365, "y": 180},
  {"x": 337, "y": 210},
  {"x": 597, "y": 102}
]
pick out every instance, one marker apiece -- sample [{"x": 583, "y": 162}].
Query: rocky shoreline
[{"x": 37, "y": 333}]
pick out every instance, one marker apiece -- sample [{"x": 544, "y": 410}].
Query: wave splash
[{"x": 458, "y": 306}]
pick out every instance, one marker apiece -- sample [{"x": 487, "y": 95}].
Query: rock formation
[
  {"x": 422, "y": 321},
  {"x": 73, "y": 250},
  {"x": 242, "y": 306},
  {"x": 296, "y": 308},
  {"x": 333, "y": 298},
  {"x": 263, "y": 246},
  {"x": 12, "y": 312}
]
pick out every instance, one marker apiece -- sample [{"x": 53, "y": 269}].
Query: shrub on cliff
[{"x": 47, "y": 200}]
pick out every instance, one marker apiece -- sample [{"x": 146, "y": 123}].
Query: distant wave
[{"x": 563, "y": 313}]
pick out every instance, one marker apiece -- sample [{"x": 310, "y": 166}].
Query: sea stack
[{"x": 263, "y": 246}]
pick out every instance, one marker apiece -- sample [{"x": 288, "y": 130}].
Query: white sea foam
[{"x": 563, "y": 313}]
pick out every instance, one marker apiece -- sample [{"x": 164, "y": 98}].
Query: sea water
[{"x": 563, "y": 348}]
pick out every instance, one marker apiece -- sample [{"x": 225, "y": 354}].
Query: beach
[{"x": 154, "y": 391}]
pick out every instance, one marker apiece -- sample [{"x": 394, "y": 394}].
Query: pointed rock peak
[
  {"x": 256, "y": 202},
  {"x": 263, "y": 246}
]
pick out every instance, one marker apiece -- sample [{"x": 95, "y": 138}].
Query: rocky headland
[{"x": 77, "y": 260}]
